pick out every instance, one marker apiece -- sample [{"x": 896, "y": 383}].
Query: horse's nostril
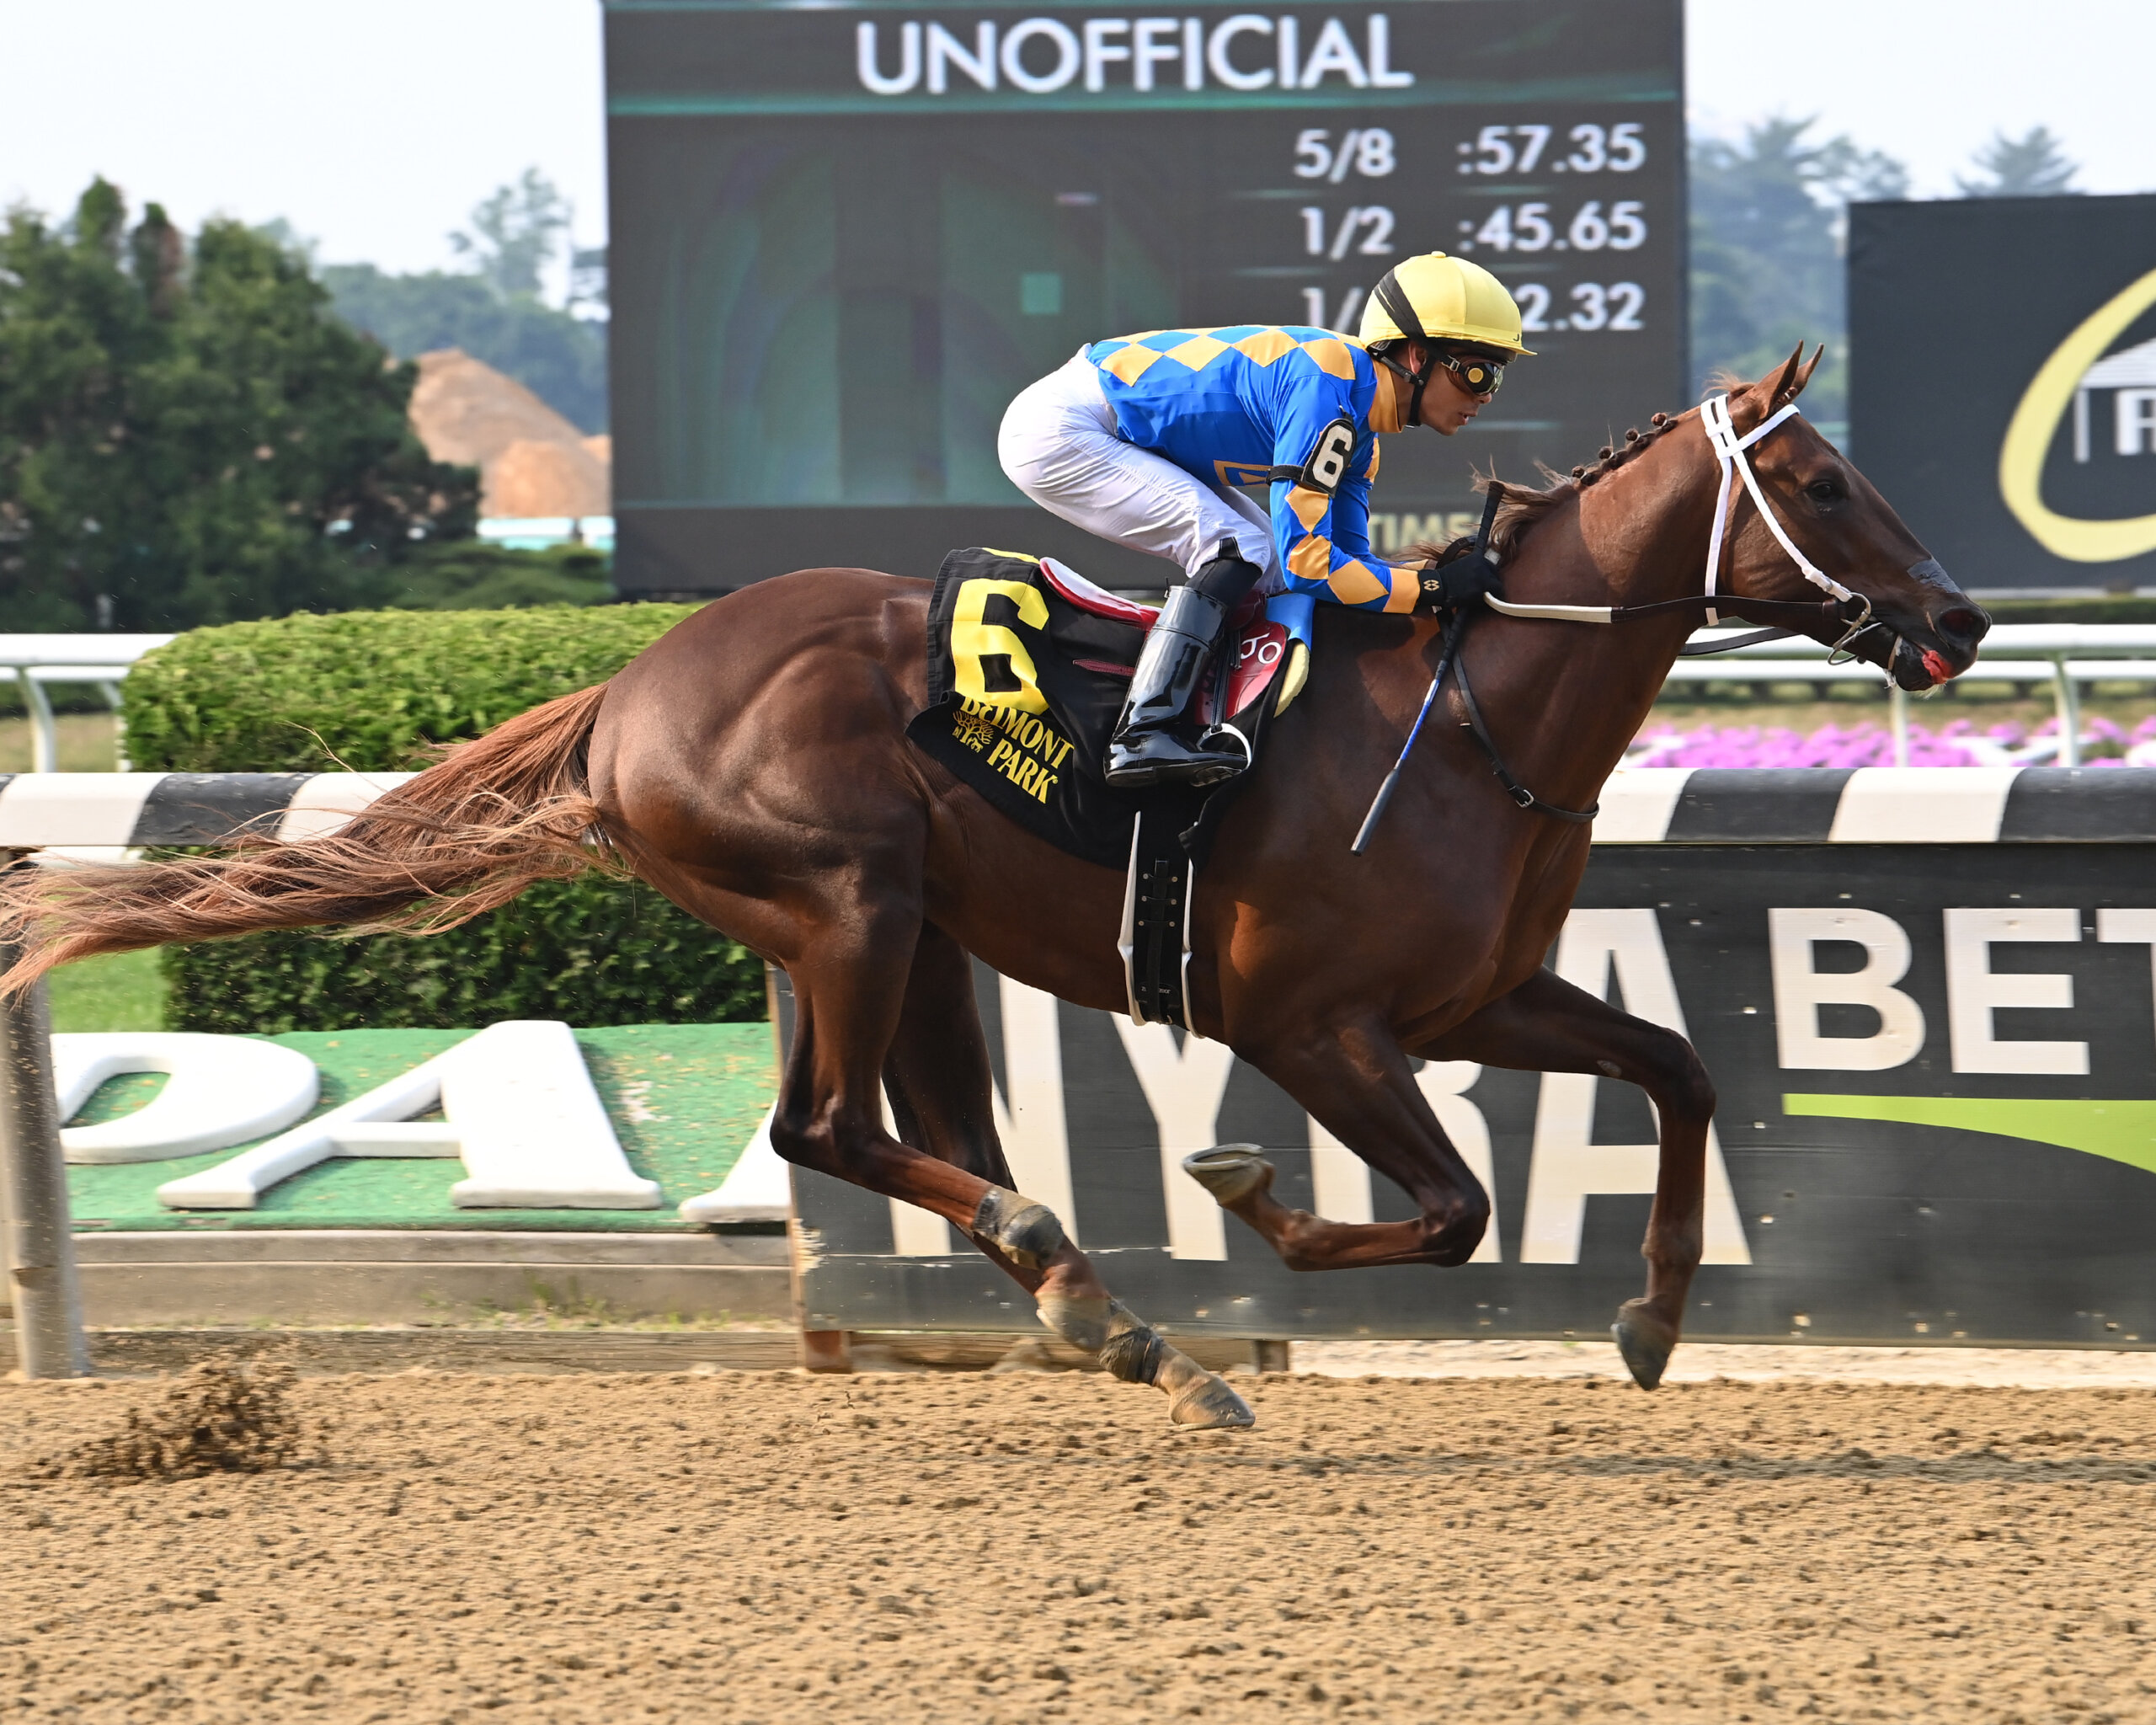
[{"x": 1962, "y": 623}]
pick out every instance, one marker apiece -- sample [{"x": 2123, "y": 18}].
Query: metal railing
[
  {"x": 32, "y": 661},
  {"x": 2065, "y": 655}
]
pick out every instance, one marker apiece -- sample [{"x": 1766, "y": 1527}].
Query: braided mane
[{"x": 1521, "y": 506}]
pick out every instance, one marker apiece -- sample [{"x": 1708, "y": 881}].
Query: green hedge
[
  {"x": 376, "y": 686},
  {"x": 593, "y": 951}
]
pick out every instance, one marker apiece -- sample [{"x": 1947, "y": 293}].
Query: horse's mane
[{"x": 1520, "y": 507}]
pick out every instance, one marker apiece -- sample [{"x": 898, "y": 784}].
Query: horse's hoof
[
  {"x": 1208, "y": 1404},
  {"x": 1645, "y": 1352},
  {"x": 1230, "y": 1171}
]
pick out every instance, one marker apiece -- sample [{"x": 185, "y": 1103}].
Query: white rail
[
  {"x": 2065, "y": 655},
  {"x": 32, "y": 661}
]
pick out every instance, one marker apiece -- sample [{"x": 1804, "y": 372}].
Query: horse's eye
[{"x": 1822, "y": 490}]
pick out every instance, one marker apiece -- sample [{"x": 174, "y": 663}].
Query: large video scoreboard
[{"x": 843, "y": 237}]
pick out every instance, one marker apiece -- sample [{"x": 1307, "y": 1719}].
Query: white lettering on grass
[
  {"x": 520, "y": 1109},
  {"x": 220, "y": 1091},
  {"x": 914, "y": 1233}
]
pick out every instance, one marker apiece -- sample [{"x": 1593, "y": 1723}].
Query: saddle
[
  {"x": 1028, "y": 666},
  {"x": 1270, "y": 637}
]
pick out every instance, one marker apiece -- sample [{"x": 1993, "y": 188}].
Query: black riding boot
[{"x": 1153, "y": 742}]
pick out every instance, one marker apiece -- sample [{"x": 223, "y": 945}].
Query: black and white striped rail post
[
  {"x": 42, "y": 1288},
  {"x": 62, "y": 811}
]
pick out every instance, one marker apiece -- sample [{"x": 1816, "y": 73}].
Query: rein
[{"x": 1730, "y": 456}]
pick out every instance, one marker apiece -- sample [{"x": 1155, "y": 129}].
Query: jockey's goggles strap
[{"x": 1729, "y": 451}]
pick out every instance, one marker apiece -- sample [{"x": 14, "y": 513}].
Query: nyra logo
[{"x": 1039, "y": 56}]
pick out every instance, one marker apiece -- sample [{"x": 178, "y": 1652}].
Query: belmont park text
[{"x": 1040, "y": 55}]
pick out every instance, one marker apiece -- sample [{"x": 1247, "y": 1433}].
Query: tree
[
  {"x": 2031, "y": 167},
  {"x": 559, "y": 358},
  {"x": 1767, "y": 232},
  {"x": 186, "y": 438},
  {"x": 587, "y": 278},
  {"x": 517, "y": 230},
  {"x": 495, "y": 312}
]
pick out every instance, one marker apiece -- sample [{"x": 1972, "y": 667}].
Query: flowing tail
[{"x": 466, "y": 835}]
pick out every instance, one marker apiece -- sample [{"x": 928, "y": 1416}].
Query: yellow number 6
[{"x": 973, "y": 639}]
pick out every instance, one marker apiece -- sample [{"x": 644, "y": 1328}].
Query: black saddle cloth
[{"x": 1024, "y": 687}]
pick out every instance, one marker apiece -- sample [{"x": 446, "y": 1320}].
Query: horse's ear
[
  {"x": 1804, "y": 374},
  {"x": 1788, "y": 382}
]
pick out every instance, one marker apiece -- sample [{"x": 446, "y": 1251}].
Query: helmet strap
[
  {"x": 1397, "y": 307},
  {"x": 1419, "y": 380}
]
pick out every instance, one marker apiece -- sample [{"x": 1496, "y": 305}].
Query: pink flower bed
[{"x": 1958, "y": 743}]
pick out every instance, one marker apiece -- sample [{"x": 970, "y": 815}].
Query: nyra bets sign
[
  {"x": 2003, "y": 382},
  {"x": 1936, "y": 1122}
]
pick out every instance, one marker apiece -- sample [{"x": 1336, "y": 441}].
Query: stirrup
[{"x": 1227, "y": 733}]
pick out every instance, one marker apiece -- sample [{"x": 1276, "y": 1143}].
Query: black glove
[{"x": 1456, "y": 578}]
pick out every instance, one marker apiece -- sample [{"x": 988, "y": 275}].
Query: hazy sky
[
  {"x": 375, "y": 125},
  {"x": 1930, "y": 81}
]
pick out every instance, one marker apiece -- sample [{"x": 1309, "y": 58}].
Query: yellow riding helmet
[{"x": 1447, "y": 299}]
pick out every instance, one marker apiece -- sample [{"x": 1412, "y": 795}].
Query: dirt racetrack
[{"x": 739, "y": 1547}]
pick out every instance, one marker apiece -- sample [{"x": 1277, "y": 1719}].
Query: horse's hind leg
[
  {"x": 915, "y": 1025},
  {"x": 1547, "y": 1025}
]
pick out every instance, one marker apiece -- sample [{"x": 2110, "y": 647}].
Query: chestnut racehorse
[{"x": 753, "y": 765}]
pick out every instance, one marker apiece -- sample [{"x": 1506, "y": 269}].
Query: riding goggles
[{"x": 1476, "y": 375}]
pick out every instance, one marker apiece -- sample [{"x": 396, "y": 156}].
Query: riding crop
[{"x": 1480, "y": 548}]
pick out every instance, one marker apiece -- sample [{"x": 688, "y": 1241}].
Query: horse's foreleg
[
  {"x": 1360, "y": 1085},
  {"x": 1547, "y": 1025},
  {"x": 936, "y": 1072},
  {"x": 913, "y": 1024}
]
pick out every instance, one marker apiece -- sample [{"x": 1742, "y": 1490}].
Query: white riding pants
[{"x": 1059, "y": 445}]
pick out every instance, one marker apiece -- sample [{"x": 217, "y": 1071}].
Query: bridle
[
  {"x": 1730, "y": 456},
  {"x": 1851, "y": 610},
  {"x": 1729, "y": 449}
]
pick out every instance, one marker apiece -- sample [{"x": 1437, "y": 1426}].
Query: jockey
[{"x": 1144, "y": 439}]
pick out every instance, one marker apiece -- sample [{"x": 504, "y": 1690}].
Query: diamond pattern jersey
[{"x": 1229, "y": 405}]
